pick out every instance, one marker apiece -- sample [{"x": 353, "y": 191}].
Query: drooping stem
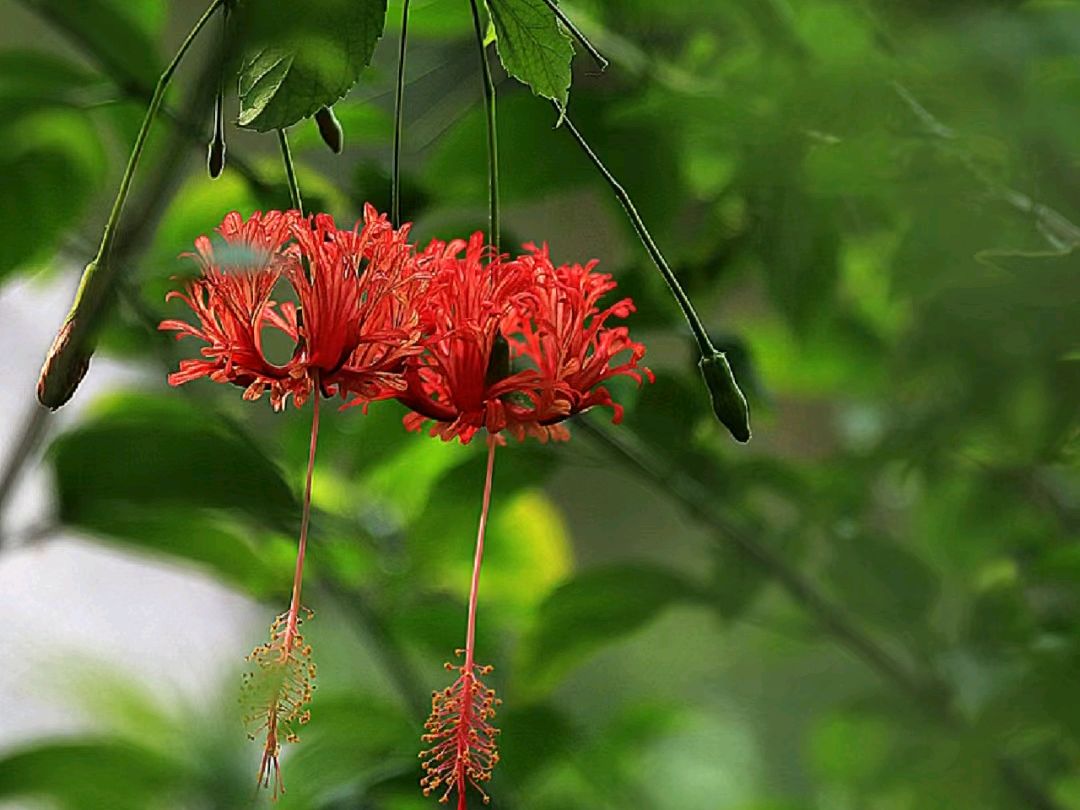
[
  {"x": 140, "y": 141},
  {"x": 597, "y": 57},
  {"x": 470, "y": 634},
  {"x": 290, "y": 171},
  {"x": 301, "y": 549},
  {"x": 69, "y": 355},
  {"x": 494, "y": 231},
  {"x": 687, "y": 307},
  {"x": 728, "y": 402},
  {"x": 399, "y": 101}
]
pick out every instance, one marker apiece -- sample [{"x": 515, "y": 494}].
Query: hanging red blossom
[
  {"x": 509, "y": 345},
  {"x": 351, "y": 323},
  {"x": 517, "y": 345}
]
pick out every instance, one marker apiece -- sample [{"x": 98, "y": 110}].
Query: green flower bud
[
  {"x": 728, "y": 401},
  {"x": 330, "y": 129}
]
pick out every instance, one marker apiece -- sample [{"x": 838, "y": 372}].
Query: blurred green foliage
[{"x": 874, "y": 605}]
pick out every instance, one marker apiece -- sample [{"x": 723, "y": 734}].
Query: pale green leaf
[
  {"x": 299, "y": 57},
  {"x": 533, "y": 46}
]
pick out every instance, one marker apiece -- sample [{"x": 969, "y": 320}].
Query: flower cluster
[{"x": 468, "y": 339}]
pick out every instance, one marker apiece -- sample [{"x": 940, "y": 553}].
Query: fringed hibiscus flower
[
  {"x": 350, "y": 321},
  {"x": 516, "y": 345},
  {"x": 509, "y": 345},
  {"x": 352, "y": 326}
]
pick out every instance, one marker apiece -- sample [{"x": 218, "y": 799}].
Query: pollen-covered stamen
[
  {"x": 279, "y": 686},
  {"x": 277, "y": 690},
  {"x": 462, "y": 748},
  {"x": 462, "y": 741}
]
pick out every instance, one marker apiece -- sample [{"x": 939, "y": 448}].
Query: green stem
[
  {"x": 68, "y": 358},
  {"x": 597, "y": 57},
  {"x": 696, "y": 326},
  {"x": 290, "y": 172},
  {"x": 494, "y": 230},
  {"x": 399, "y": 100},
  {"x": 144, "y": 131}
]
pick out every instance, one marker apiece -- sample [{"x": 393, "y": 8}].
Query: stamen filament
[
  {"x": 301, "y": 550},
  {"x": 470, "y": 635}
]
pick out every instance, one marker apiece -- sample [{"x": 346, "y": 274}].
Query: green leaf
[
  {"x": 593, "y": 609},
  {"x": 852, "y": 748},
  {"x": 800, "y": 248},
  {"x": 124, "y": 32},
  {"x": 299, "y": 57},
  {"x": 189, "y": 533},
  {"x": 89, "y": 772},
  {"x": 31, "y": 80},
  {"x": 174, "y": 456},
  {"x": 533, "y": 47},
  {"x": 56, "y": 162}
]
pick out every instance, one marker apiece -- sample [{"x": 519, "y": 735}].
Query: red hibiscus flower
[
  {"x": 350, "y": 322},
  {"x": 517, "y": 345}
]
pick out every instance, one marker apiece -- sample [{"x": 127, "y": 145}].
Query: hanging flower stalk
[
  {"x": 515, "y": 346},
  {"x": 352, "y": 327}
]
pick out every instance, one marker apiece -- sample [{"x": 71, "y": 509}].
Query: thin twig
[
  {"x": 696, "y": 499},
  {"x": 290, "y": 171},
  {"x": 494, "y": 227},
  {"x": 25, "y": 446},
  {"x": 399, "y": 113},
  {"x": 598, "y": 57}
]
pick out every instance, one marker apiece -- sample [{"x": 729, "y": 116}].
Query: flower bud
[
  {"x": 330, "y": 129},
  {"x": 215, "y": 159},
  {"x": 728, "y": 401},
  {"x": 66, "y": 364}
]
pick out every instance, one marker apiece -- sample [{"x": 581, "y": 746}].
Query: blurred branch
[
  {"x": 930, "y": 694},
  {"x": 933, "y": 697},
  {"x": 1058, "y": 230},
  {"x": 26, "y": 444}
]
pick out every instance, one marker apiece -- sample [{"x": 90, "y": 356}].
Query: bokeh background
[{"x": 872, "y": 605}]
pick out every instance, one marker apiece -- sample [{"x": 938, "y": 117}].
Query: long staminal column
[
  {"x": 462, "y": 741},
  {"x": 278, "y": 688}
]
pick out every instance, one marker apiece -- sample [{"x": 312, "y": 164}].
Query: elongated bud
[
  {"x": 330, "y": 129},
  {"x": 215, "y": 159},
  {"x": 728, "y": 401},
  {"x": 65, "y": 364},
  {"x": 499, "y": 363}
]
